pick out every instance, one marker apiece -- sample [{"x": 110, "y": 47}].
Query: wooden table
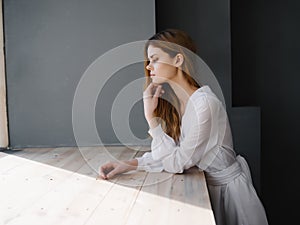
[{"x": 58, "y": 186}]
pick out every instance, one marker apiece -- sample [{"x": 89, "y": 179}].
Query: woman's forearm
[
  {"x": 133, "y": 164},
  {"x": 152, "y": 122}
]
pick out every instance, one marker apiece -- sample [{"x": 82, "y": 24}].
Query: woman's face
[{"x": 161, "y": 65}]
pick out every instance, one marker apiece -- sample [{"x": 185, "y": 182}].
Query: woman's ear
[{"x": 179, "y": 59}]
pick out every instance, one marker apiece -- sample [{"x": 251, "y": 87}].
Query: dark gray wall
[
  {"x": 265, "y": 55},
  {"x": 48, "y": 46}
]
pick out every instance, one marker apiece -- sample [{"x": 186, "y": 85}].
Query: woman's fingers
[
  {"x": 112, "y": 173},
  {"x": 150, "y": 99},
  {"x": 158, "y": 92},
  {"x": 148, "y": 91},
  {"x": 153, "y": 90},
  {"x": 105, "y": 169},
  {"x": 109, "y": 170}
]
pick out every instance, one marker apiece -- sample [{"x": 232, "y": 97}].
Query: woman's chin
[{"x": 158, "y": 80}]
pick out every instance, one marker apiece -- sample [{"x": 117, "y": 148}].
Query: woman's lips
[{"x": 152, "y": 75}]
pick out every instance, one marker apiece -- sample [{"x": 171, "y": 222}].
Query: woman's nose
[{"x": 149, "y": 67}]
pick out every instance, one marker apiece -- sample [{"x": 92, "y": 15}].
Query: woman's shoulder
[{"x": 204, "y": 96}]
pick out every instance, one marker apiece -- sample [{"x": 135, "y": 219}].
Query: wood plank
[
  {"x": 55, "y": 207},
  {"x": 64, "y": 203},
  {"x": 10, "y": 162},
  {"x": 60, "y": 187},
  {"x": 3, "y": 108},
  {"x": 116, "y": 205},
  {"x": 35, "y": 178},
  {"x": 89, "y": 197},
  {"x": 2, "y": 154},
  {"x": 56, "y": 157},
  {"x": 30, "y": 153},
  {"x": 176, "y": 199},
  {"x": 24, "y": 185}
]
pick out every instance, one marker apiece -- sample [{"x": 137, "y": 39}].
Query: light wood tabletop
[{"x": 59, "y": 186}]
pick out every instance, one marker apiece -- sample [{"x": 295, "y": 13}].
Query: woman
[{"x": 189, "y": 127}]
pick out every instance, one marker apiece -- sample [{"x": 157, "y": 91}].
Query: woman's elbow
[
  {"x": 157, "y": 156},
  {"x": 173, "y": 168}
]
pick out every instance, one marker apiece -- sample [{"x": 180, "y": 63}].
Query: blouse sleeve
[
  {"x": 175, "y": 158},
  {"x": 147, "y": 163}
]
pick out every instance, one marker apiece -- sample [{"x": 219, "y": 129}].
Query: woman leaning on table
[{"x": 189, "y": 127}]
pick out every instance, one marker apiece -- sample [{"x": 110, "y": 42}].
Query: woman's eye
[{"x": 154, "y": 60}]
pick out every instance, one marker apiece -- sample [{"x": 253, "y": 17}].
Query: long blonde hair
[{"x": 172, "y": 42}]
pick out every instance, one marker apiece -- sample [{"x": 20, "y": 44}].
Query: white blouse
[{"x": 204, "y": 129}]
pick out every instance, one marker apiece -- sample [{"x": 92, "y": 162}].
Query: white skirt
[{"x": 233, "y": 197}]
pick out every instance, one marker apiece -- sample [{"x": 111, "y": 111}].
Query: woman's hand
[
  {"x": 150, "y": 98},
  {"x": 111, "y": 169}
]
